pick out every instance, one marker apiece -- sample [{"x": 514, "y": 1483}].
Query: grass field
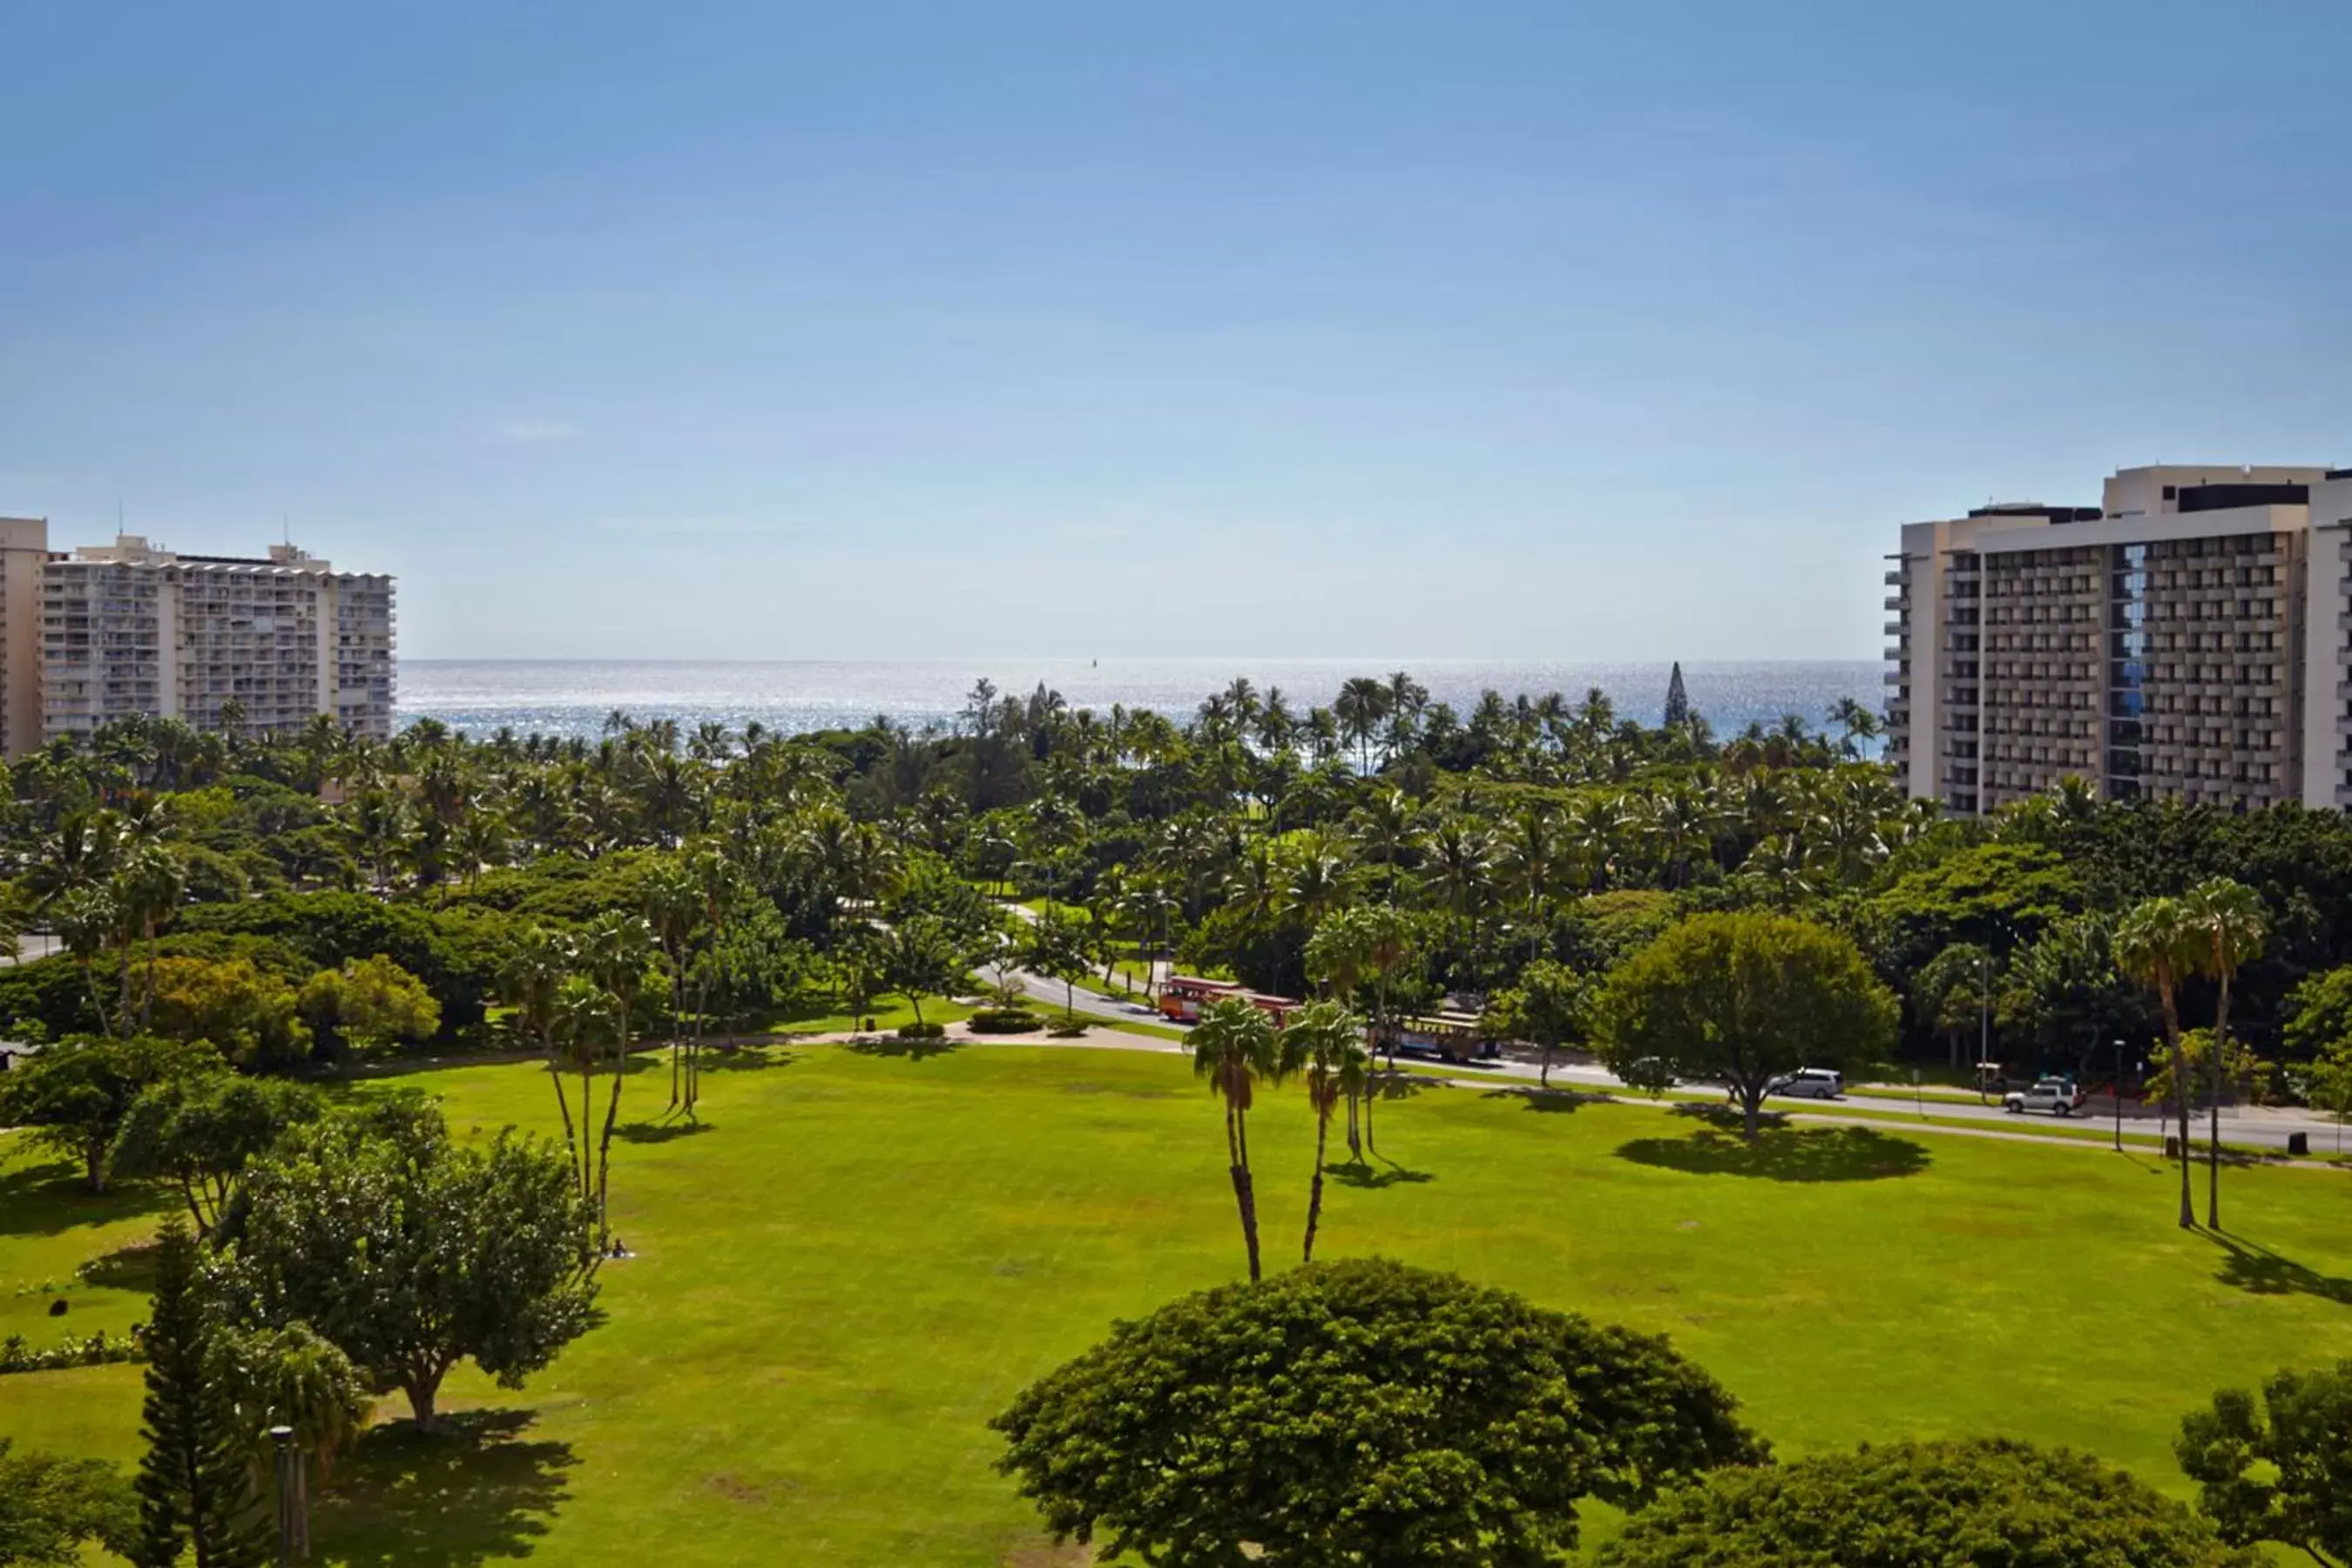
[{"x": 860, "y": 1257}]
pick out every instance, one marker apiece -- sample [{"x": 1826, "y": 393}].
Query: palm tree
[
  {"x": 1857, "y": 722},
  {"x": 1319, "y": 1036},
  {"x": 1359, "y": 710},
  {"x": 2233, "y": 922},
  {"x": 1385, "y": 826},
  {"x": 2158, "y": 944},
  {"x": 534, "y": 972},
  {"x": 614, "y": 949},
  {"x": 85, "y": 919},
  {"x": 673, "y": 904},
  {"x": 147, "y": 893},
  {"x": 1236, "y": 1047}
]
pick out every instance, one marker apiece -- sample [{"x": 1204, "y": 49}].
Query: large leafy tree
[
  {"x": 51, "y": 1507},
  {"x": 2278, "y": 1467},
  {"x": 920, "y": 957},
  {"x": 1986, "y": 1503},
  {"x": 1056, "y": 946},
  {"x": 1548, "y": 1005},
  {"x": 74, "y": 1093},
  {"x": 1361, "y": 1413},
  {"x": 410, "y": 1252},
  {"x": 1742, "y": 998},
  {"x": 200, "y": 1131},
  {"x": 197, "y": 1495}
]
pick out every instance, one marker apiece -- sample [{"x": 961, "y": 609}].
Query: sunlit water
[{"x": 571, "y": 697}]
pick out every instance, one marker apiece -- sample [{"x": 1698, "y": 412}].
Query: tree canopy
[
  {"x": 2278, "y": 1467},
  {"x": 411, "y": 1253},
  {"x": 1361, "y": 1412},
  {"x": 1741, "y": 998},
  {"x": 1987, "y": 1503}
]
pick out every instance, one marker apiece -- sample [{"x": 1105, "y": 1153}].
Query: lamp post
[
  {"x": 2119, "y": 1097},
  {"x": 1984, "y": 1020},
  {"x": 293, "y": 1500}
]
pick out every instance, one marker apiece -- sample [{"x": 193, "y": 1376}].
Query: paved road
[
  {"x": 34, "y": 944},
  {"x": 2255, "y": 1126},
  {"x": 2261, "y": 1126}
]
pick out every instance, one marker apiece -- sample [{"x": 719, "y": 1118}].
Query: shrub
[
  {"x": 94, "y": 1349},
  {"x": 1004, "y": 1021},
  {"x": 1989, "y": 1503},
  {"x": 1067, "y": 1030},
  {"x": 921, "y": 1031}
]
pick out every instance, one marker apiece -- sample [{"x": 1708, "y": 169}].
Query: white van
[{"x": 1809, "y": 1083}]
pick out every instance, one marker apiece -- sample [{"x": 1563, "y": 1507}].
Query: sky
[{"x": 1336, "y": 328}]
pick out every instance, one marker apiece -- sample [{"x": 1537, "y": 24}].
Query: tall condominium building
[
  {"x": 2189, "y": 637},
  {"x": 111, "y": 631}
]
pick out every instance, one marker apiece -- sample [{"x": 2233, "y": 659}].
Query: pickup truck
[{"x": 2057, "y": 1096}]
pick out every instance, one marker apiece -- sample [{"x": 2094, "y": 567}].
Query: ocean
[{"x": 571, "y": 697}]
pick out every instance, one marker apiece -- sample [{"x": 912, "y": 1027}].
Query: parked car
[
  {"x": 2058, "y": 1095},
  {"x": 1809, "y": 1083}
]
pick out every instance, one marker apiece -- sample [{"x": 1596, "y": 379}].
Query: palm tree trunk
[
  {"x": 612, "y": 1119},
  {"x": 563, "y": 1100},
  {"x": 147, "y": 1002},
  {"x": 97, "y": 1006},
  {"x": 2180, "y": 1103},
  {"x": 587, "y": 1109},
  {"x": 1246, "y": 1190},
  {"x": 1355, "y": 1138},
  {"x": 2213, "y": 1109},
  {"x": 676, "y": 1006},
  {"x": 1315, "y": 1189},
  {"x": 1371, "y": 1092}
]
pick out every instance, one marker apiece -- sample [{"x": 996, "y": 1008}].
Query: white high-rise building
[
  {"x": 2190, "y": 637},
  {"x": 268, "y": 642}
]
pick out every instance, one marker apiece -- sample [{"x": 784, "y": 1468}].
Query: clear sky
[{"x": 1331, "y": 328}]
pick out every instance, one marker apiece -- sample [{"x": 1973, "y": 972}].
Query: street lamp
[
  {"x": 293, "y": 1500},
  {"x": 2119, "y": 1097}
]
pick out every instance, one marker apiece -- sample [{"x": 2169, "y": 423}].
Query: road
[
  {"x": 2263, "y": 1126},
  {"x": 2257, "y": 1126},
  {"x": 34, "y": 944}
]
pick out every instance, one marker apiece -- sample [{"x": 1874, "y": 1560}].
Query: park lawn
[
  {"x": 864, "y": 1253},
  {"x": 887, "y": 1013}
]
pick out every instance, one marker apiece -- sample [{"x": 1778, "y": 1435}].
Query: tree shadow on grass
[
  {"x": 1784, "y": 1154},
  {"x": 129, "y": 1267},
  {"x": 1549, "y": 1100},
  {"x": 51, "y": 1198},
  {"x": 2254, "y": 1269},
  {"x": 661, "y": 1132},
  {"x": 476, "y": 1490},
  {"x": 745, "y": 1058},
  {"x": 912, "y": 1050},
  {"x": 1358, "y": 1175},
  {"x": 1723, "y": 1118}
]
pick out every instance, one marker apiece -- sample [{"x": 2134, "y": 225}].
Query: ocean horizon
[{"x": 573, "y": 697}]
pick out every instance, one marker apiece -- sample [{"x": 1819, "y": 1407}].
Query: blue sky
[{"x": 1347, "y": 329}]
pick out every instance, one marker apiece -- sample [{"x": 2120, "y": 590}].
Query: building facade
[
  {"x": 263, "y": 644},
  {"x": 2190, "y": 638}
]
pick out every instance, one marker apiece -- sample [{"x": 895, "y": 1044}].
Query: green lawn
[
  {"x": 887, "y": 1013},
  {"x": 862, "y": 1255}
]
